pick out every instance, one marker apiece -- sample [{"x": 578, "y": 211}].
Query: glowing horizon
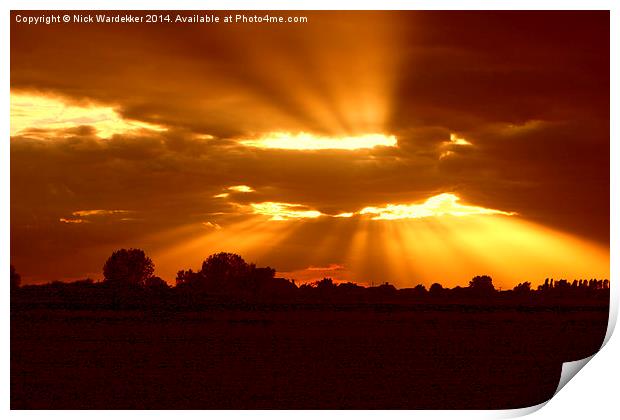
[{"x": 404, "y": 252}]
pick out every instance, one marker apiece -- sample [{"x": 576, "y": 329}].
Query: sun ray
[
  {"x": 332, "y": 246},
  {"x": 398, "y": 245},
  {"x": 277, "y": 238}
]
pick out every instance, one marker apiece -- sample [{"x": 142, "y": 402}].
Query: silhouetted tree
[
  {"x": 420, "y": 289},
  {"x": 15, "y": 279},
  {"x": 523, "y": 288},
  {"x": 326, "y": 284},
  {"x": 481, "y": 285},
  {"x": 128, "y": 267},
  {"x": 262, "y": 275},
  {"x": 156, "y": 283},
  {"x": 224, "y": 266},
  {"x": 227, "y": 273},
  {"x": 188, "y": 278},
  {"x": 436, "y": 289}
]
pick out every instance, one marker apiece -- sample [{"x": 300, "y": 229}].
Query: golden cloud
[
  {"x": 307, "y": 141},
  {"x": 50, "y": 113},
  {"x": 284, "y": 211},
  {"x": 99, "y": 212},
  {"x": 241, "y": 188},
  {"x": 445, "y": 204}
]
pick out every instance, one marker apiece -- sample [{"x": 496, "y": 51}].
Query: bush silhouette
[{"x": 128, "y": 267}]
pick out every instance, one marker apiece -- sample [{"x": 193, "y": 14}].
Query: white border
[
  {"x": 593, "y": 394},
  {"x": 310, "y": 5}
]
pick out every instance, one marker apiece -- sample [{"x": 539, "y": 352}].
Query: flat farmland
[{"x": 297, "y": 357}]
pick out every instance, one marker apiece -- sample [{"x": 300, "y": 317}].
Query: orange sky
[{"x": 407, "y": 147}]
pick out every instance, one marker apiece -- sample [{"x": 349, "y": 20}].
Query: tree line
[{"x": 129, "y": 274}]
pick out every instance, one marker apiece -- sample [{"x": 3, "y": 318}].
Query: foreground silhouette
[
  {"x": 232, "y": 335},
  {"x": 228, "y": 278}
]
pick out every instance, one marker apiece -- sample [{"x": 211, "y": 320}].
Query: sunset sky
[{"x": 409, "y": 147}]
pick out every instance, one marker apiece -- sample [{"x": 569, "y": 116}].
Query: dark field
[{"x": 356, "y": 357}]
